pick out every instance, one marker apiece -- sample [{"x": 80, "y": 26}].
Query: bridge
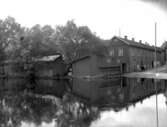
[{"x": 156, "y": 73}]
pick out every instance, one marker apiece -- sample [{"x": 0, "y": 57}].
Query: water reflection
[
  {"x": 80, "y": 103},
  {"x": 116, "y": 94},
  {"x": 47, "y": 102}
]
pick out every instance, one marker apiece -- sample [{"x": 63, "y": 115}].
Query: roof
[
  {"x": 137, "y": 44},
  {"x": 47, "y": 58},
  {"x": 80, "y": 59}
]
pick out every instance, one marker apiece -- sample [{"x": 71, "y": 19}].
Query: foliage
[
  {"x": 164, "y": 45},
  {"x": 76, "y": 41},
  {"x": 19, "y": 43},
  {"x": 18, "y": 106}
]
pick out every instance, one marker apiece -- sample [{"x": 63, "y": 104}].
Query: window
[
  {"x": 120, "y": 51},
  {"x": 111, "y": 52}
]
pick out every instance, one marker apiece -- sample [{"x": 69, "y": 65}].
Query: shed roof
[
  {"x": 80, "y": 59},
  {"x": 47, "y": 58},
  {"x": 136, "y": 44}
]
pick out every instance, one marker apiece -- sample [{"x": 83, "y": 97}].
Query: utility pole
[
  {"x": 157, "y": 120},
  {"x": 155, "y": 55}
]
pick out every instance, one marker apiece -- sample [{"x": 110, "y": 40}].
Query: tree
[
  {"x": 164, "y": 45},
  {"x": 75, "y": 41},
  {"x": 10, "y": 32},
  {"x": 71, "y": 41}
]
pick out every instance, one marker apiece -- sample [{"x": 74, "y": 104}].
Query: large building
[
  {"x": 123, "y": 56},
  {"x": 134, "y": 56}
]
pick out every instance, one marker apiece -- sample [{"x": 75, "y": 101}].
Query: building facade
[
  {"x": 122, "y": 56},
  {"x": 94, "y": 66},
  {"x": 134, "y": 56}
]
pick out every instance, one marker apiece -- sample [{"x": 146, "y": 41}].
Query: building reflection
[
  {"x": 118, "y": 93},
  {"x": 165, "y": 93},
  {"x": 75, "y": 104}
]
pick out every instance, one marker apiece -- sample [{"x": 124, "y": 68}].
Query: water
[{"x": 82, "y": 103}]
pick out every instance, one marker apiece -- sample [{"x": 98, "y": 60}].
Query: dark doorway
[
  {"x": 142, "y": 66},
  {"x": 124, "y": 68},
  {"x": 152, "y": 64}
]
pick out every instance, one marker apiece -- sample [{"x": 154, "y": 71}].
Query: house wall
[
  {"x": 50, "y": 69},
  {"x": 133, "y": 57},
  {"x": 86, "y": 67},
  {"x": 81, "y": 68},
  {"x": 142, "y": 57},
  {"x": 95, "y": 70},
  {"x": 115, "y": 59},
  {"x": 116, "y": 45}
]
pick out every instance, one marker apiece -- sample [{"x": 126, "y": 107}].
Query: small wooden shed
[{"x": 52, "y": 66}]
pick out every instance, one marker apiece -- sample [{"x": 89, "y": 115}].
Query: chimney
[
  {"x": 140, "y": 41},
  {"x": 126, "y": 37},
  {"x": 133, "y": 39}
]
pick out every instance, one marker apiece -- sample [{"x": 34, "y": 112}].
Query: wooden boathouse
[
  {"x": 50, "y": 66},
  {"x": 45, "y": 66},
  {"x": 123, "y": 56}
]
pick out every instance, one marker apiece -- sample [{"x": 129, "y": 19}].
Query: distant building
[{"x": 122, "y": 56}]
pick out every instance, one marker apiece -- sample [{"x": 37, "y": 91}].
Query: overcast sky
[{"x": 134, "y": 18}]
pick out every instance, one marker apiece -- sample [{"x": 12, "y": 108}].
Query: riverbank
[{"x": 156, "y": 73}]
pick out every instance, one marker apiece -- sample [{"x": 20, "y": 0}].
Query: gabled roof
[{"x": 136, "y": 44}]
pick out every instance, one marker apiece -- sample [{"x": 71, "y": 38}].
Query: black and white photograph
[{"x": 83, "y": 63}]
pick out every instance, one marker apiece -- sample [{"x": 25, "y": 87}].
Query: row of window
[{"x": 120, "y": 52}]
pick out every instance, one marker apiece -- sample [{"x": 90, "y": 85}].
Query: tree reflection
[
  {"x": 75, "y": 113},
  {"x": 25, "y": 106},
  {"x": 76, "y": 105}
]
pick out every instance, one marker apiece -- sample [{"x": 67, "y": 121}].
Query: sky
[{"x": 107, "y": 18}]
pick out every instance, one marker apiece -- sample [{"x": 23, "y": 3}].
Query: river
[{"x": 83, "y": 103}]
